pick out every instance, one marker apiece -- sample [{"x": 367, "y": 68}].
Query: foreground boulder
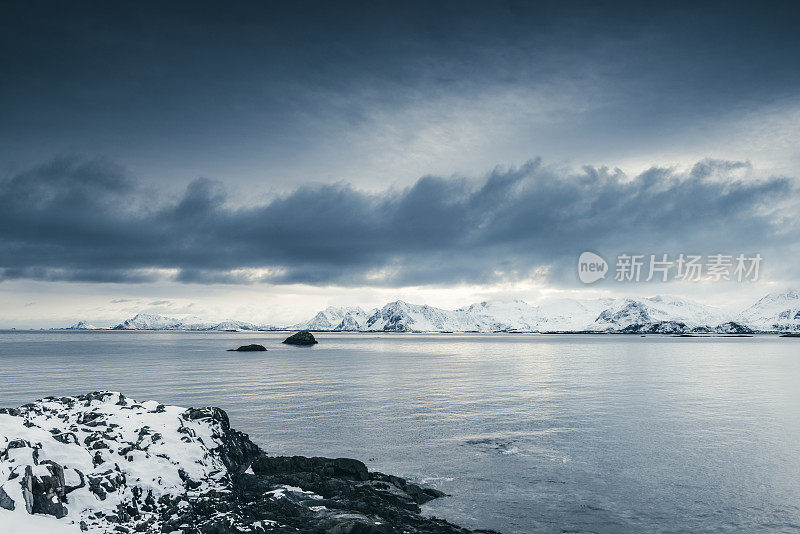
[
  {"x": 249, "y": 348},
  {"x": 124, "y": 466},
  {"x": 301, "y": 338}
]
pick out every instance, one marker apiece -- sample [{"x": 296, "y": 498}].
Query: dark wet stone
[
  {"x": 301, "y": 338},
  {"x": 249, "y": 348},
  {"x": 331, "y": 467}
]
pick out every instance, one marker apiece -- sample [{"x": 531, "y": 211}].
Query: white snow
[
  {"x": 152, "y": 321},
  {"x": 335, "y": 318},
  {"x": 20, "y": 522},
  {"x": 82, "y": 325},
  {"x": 774, "y": 312},
  {"x": 147, "y": 444},
  {"x": 777, "y": 312},
  {"x": 656, "y": 309}
]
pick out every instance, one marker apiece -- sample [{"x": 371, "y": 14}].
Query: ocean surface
[{"x": 527, "y": 433}]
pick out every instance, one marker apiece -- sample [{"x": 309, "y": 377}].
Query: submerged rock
[
  {"x": 249, "y": 348},
  {"x": 154, "y": 468},
  {"x": 303, "y": 337}
]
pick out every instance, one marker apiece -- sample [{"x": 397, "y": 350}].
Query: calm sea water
[{"x": 527, "y": 433}]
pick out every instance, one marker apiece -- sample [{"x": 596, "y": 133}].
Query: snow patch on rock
[{"x": 113, "y": 455}]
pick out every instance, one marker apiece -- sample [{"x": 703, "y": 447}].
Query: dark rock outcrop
[
  {"x": 249, "y": 348},
  {"x": 337, "y": 467},
  {"x": 44, "y": 494},
  {"x": 237, "y": 452},
  {"x": 301, "y": 338},
  {"x": 344, "y": 496},
  {"x": 301, "y": 494}
]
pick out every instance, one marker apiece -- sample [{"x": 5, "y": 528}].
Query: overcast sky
[{"x": 260, "y": 161}]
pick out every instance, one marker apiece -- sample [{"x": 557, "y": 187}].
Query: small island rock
[
  {"x": 249, "y": 348},
  {"x": 301, "y": 338}
]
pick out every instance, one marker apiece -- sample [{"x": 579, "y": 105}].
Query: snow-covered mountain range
[
  {"x": 776, "y": 312},
  {"x": 151, "y": 321}
]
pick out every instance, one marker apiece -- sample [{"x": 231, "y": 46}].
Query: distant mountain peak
[
  {"x": 775, "y": 312},
  {"x": 82, "y": 325}
]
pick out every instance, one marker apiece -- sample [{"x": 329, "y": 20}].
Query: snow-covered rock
[
  {"x": 103, "y": 463},
  {"x": 86, "y": 458},
  {"x": 776, "y": 312}
]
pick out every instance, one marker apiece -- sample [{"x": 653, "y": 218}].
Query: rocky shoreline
[{"x": 104, "y": 463}]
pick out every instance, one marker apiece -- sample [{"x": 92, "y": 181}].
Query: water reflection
[{"x": 527, "y": 432}]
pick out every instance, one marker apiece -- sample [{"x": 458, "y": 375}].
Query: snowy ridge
[
  {"x": 336, "y": 319},
  {"x": 553, "y": 316},
  {"x": 401, "y": 316},
  {"x": 563, "y": 315},
  {"x": 630, "y": 313},
  {"x": 151, "y": 321},
  {"x": 81, "y": 325},
  {"x": 776, "y": 312}
]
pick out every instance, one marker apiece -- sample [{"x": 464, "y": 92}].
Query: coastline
[{"x": 101, "y": 462}]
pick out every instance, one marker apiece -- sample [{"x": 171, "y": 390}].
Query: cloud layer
[
  {"x": 89, "y": 220},
  {"x": 382, "y": 92}
]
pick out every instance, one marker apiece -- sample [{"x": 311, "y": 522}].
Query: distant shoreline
[{"x": 410, "y": 332}]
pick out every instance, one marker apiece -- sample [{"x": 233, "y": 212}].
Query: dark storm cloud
[
  {"x": 80, "y": 220},
  {"x": 249, "y": 84}
]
